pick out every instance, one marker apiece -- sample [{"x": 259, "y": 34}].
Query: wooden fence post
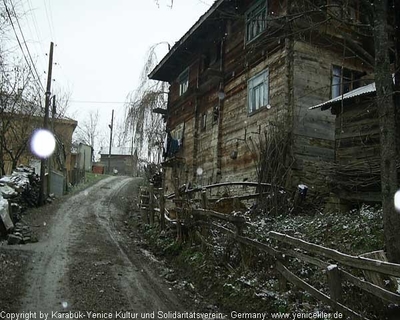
[
  {"x": 204, "y": 204},
  {"x": 204, "y": 200},
  {"x": 242, "y": 248},
  {"x": 151, "y": 203},
  {"x": 334, "y": 282},
  {"x": 144, "y": 202},
  {"x": 282, "y": 281},
  {"x": 162, "y": 203}
]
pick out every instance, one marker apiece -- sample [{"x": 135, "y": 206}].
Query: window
[
  {"x": 178, "y": 132},
  {"x": 203, "y": 121},
  {"x": 258, "y": 91},
  {"x": 256, "y": 20},
  {"x": 183, "y": 82},
  {"x": 344, "y": 80}
]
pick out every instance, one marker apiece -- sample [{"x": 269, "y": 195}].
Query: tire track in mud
[
  {"x": 142, "y": 285},
  {"x": 85, "y": 264}
]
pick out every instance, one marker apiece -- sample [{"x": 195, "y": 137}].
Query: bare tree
[
  {"x": 119, "y": 134},
  {"x": 20, "y": 107},
  {"x": 87, "y": 132},
  {"x": 147, "y": 127},
  {"x": 170, "y": 3}
]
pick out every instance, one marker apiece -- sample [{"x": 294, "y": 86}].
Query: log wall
[{"x": 314, "y": 130}]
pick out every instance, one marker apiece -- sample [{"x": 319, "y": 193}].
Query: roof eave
[{"x": 155, "y": 73}]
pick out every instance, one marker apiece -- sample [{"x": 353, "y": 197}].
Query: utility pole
[
  {"x": 53, "y": 113},
  {"x": 111, "y": 133},
  {"x": 46, "y": 121}
]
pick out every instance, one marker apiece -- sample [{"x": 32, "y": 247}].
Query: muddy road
[{"x": 88, "y": 264}]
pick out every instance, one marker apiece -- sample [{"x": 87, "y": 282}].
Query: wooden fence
[{"x": 330, "y": 261}]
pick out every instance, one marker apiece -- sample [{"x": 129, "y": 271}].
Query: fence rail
[{"x": 287, "y": 246}]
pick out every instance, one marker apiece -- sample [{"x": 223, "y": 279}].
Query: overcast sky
[{"x": 101, "y": 45}]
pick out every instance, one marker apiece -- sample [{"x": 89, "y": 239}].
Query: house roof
[
  {"x": 174, "y": 61},
  {"x": 370, "y": 88},
  {"x": 362, "y": 91},
  {"x": 116, "y": 151}
]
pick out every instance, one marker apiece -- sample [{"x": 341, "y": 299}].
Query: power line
[
  {"x": 20, "y": 45},
  {"x": 49, "y": 20},
  {"x": 97, "y": 102},
  {"x": 36, "y": 29},
  {"x": 26, "y": 46}
]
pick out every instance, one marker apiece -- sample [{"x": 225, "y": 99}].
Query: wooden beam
[
  {"x": 220, "y": 216},
  {"x": 371, "y": 288},
  {"x": 345, "y": 259},
  {"x": 316, "y": 293},
  {"x": 255, "y": 244}
]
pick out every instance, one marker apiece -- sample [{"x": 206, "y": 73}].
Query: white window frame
[
  {"x": 343, "y": 80},
  {"x": 256, "y": 20},
  {"x": 204, "y": 121},
  {"x": 258, "y": 91},
  {"x": 183, "y": 80},
  {"x": 178, "y": 133}
]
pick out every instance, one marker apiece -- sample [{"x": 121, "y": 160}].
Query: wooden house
[{"x": 242, "y": 80}]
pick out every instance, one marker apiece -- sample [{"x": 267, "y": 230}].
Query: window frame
[
  {"x": 260, "y": 79},
  {"x": 259, "y": 8},
  {"x": 183, "y": 82},
  {"x": 344, "y": 80},
  {"x": 203, "y": 120}
]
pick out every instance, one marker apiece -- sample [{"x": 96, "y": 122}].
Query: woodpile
[
  {"x": 18, "y": 192},
  {"x": 21, "y": 188}
]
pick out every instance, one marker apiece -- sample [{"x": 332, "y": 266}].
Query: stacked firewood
[{"x": 21, "y": 189}]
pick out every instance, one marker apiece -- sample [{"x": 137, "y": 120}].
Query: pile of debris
[
  {"x": 18, "y": 192},
  {"x": 21, "y": 187},
  {"x": 21, "y": 234}
]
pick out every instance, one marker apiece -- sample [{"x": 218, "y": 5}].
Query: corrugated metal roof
[{"x": 351, "y": 94}]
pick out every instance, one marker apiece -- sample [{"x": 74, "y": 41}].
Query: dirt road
[{"x": 87, "y": 262}]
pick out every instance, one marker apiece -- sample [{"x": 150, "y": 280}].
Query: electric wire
[
  {"x": 48, "y": 20},
  {"x": 37, "y": 31},
  {"x": 26, "y": 46},
  {"x": 98, "y": 102},
  {"x": 20, "y": 45}
]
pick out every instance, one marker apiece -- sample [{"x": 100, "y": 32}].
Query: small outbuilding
[{"x": 121, "y": 160}]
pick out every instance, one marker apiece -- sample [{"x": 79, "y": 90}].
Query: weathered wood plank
[
  {"x": 345, "y": 259},
  {"x": 316, "y": 293}
]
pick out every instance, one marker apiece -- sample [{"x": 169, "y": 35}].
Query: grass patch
[{"x": 90, "y": 179}]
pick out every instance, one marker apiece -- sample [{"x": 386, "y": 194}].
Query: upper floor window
[
  {"x": 344, "y": 80},
  {"x": 203, "y": 121},
  {"x": 257, "y": 90},
  {"x": 183, "y": 81},
  {"x": 256, "y": 20}
]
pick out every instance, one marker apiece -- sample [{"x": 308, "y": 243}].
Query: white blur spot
[
  {"x": 199, "y": 171},
  {"x": 43, "y": 143},
  {"x": 397, "y": 201},
  {"x": 268, "y": 106},
  {"x": 86, "y": 193},
  {"x": 64, "y": 304},
  {"x": 44, "y": 223}
]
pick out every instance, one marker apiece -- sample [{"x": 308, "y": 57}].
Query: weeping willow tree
[{"x": 145, "y": 127}]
